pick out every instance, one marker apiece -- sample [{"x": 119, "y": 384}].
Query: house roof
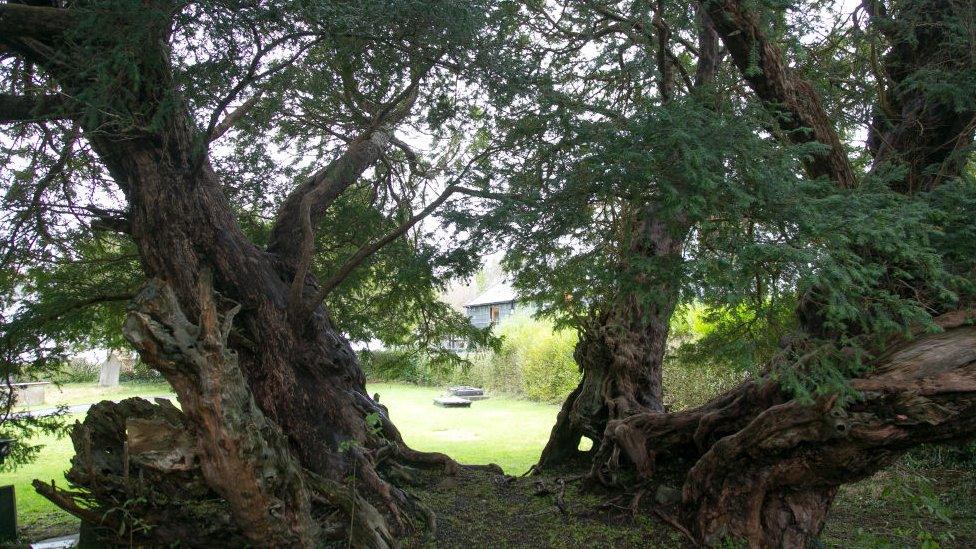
[{"x": 500, "y": 293}]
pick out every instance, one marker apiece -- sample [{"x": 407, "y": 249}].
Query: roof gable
[{"x": 499, "y": 293}]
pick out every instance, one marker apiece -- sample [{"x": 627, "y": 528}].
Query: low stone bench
[
  {"x": 470, "y": 393},
  {"x": 29, "y": 393},
  {"x": 452, "y": 402}
]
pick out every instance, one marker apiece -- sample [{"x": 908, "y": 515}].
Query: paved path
[
  {"x": 62, "y": 542},
  {"x": 73, "y": 409}
]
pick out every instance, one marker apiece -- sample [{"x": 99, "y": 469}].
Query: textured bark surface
[
  {"x": 765, "y": 468},
  {"x": 621, "y": 351},
  {"x": 243, "y": 456},
  {"x": 298, "y": 374},
  {"x": 138, "y": 452},
  {"x": 140, "y": 468}
]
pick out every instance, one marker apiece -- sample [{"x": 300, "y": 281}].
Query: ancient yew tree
[
  {"x": 236, "y": 187},
  {"x": 228, "y": 274},
  {"x": 715, "y": 155}
]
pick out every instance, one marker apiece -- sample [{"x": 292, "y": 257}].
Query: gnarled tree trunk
[
  {"x": 278, "y": 397},
  {"x": 757, "y": 464},
  {"x": 621, "y": 351},
  {"x": 765, "y": 468}
]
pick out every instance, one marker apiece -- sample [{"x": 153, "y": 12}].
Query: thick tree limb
[
  {"x": 306, "y": 205},
  {"x": 21, "y": 108},
  {"x": 41, "y": 23},
  {"x": 766, "y": 466},
  {"x": 233, "y": 118},
  {"x": 762, "y": 64}
]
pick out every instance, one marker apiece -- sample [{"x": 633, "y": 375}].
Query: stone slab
[
  {"x": 108, "y": 375},
  {"x": 63, "y": 542},
  {"x": 465, "y": 391},
  {"x": 452, "y": 402},
  {"x": 30, "y": 394}
]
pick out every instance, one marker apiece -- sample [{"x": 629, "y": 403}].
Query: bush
[
  {"x": 81, "y": 370},
  {"x": 77, "y": 370},
  {"x": 402, "y": 365},
  {"x": 548, "y": 369},
  {"x": 687, "y": 385},
  {"x": 533, "y": 361},
  {"x": 139, "y": 372}
]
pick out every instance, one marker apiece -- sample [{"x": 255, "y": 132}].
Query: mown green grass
[
  {"x": 87, "y": 393},
  {"x": 502, "y": 430},
  {"x": 876, "y": 512},
  {"x": 36, "y": 516}
]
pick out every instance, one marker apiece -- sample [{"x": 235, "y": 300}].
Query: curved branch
[
  {"x": 368, "y": 250},
  {"x": 37, "y": 22},
  {"x": 781, "y": 89},
  {"x": 23, "y": 108}
]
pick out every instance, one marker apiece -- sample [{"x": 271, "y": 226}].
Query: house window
[{"x": 496, "y": 313}]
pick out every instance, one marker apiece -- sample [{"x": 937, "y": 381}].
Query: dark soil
[{"x": 900, "y": 507}]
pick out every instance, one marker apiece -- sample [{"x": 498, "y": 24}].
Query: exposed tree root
[
  {"x": 765, "y": 468},
  {"x": 218, "y": 469}
]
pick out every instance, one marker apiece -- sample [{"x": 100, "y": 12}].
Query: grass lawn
[
  {"x": 87, "y": 393},
  {"x": 501, "y": 430},
  {"x": 36, "y": 516},
  {"x": 884, "y": 511}
]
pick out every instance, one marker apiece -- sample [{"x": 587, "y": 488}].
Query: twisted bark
[
  {"x": 244, "y": 456},
  {"x": 243, "y": 381},
  {"x": 764, "y": 467},
  {"x": 621, "y": 351}
]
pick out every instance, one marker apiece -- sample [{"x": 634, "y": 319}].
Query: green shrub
[
  {"x": 402, "y": 365},
  {"x": 687, "y": 385},
  {"x": 139, "y": 372},
  {"x": 77, "y": 370},
  {"x": 548, "y": 369},
  {"x": 533, "y": 361}
]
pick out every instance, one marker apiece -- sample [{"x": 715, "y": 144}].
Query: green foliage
[
  {"x": 548, "y": 369},
  {"x": 69, "y": 266},
  {"x": 589, "y": 158},
  {"x": 407, "y": 365},
  {"x": 532, "y": 360},
  {"x": 78, "y": 370},
  {"x": 139, "y": 372}
]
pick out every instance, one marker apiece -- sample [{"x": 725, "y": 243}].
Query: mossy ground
[
  {"x": 895, "y": 508},
  {"x": 892, "y": 509},
  {"x": 481, "y": 509}
]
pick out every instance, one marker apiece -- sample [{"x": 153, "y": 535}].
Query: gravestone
[
  {"x": 8, "y": 514},
  {"x": 452, "y": 402},
  {"x": 108, "y": 376},
  {"x": 467, "y": 392},
  {"x": 30, "y": 393}
]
